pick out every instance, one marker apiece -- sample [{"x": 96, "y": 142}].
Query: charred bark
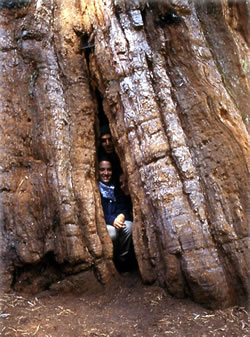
[{"x": 173, "y": 80}]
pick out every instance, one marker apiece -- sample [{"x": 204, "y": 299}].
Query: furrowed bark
[{"x": 173, "y": 80}]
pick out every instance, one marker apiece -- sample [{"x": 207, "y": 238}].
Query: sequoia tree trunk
[{"x": 172, "y": 78}]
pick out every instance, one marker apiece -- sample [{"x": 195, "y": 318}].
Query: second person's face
[
  {"x": 105, "y": 172},
  {"x": 107, "y": 144}
]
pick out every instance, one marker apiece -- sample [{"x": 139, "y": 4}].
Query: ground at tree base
[{"x": 127, "y": 309}]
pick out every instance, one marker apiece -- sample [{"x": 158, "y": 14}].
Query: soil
[{"x": 127, "y": 308}]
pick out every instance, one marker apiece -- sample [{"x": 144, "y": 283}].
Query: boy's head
[
  {"x": 105, "y": 171},
  {"x": 106, "y": 140}
]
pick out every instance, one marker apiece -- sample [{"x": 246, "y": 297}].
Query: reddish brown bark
[{"x": 173, "y": 79}]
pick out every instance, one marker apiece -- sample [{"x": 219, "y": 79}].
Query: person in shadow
[{"x": 107, "y": 148}]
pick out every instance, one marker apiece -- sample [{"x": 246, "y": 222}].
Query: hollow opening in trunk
[{"x": 119, "y": 201}]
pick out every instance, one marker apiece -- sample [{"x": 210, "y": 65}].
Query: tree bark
[{"x": 173, "y": 81}]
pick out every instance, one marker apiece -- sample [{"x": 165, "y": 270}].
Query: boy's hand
[{"x": 119, "y": 221}]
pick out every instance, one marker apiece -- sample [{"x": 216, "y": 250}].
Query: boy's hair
[
  {"x": 104, "y": 157},
  {"x": 104, "y": 129}
]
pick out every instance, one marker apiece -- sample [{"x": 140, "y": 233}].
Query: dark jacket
[{"x": 113, "y": 208}]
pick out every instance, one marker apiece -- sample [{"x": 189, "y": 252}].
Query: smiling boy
[{"x": 116, "y": 214}]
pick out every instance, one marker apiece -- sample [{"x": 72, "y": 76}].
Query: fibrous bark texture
[{"x": 173, "y": 81}]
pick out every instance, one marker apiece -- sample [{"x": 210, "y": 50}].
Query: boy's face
[
  {"x": 106, "y": 143},
  {"x": 105, "y": 172}
]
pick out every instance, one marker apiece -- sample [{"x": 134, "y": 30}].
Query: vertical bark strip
[{"x": 177, "y": 108}]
